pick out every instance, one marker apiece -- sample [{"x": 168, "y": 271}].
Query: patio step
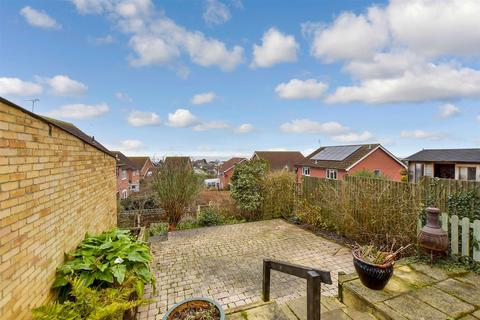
[
  {"x": 260, "y": 311},
  {"x": 331, "y": 309}
]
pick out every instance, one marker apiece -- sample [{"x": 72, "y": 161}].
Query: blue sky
[{"x": 218, "y": 78}]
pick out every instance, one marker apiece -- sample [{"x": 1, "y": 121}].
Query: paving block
[
  {"x": 443, "y": 301},
  {"x": 415, "y": 309}
]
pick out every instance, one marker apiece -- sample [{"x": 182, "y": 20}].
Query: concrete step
[
  {"x": 331, "y": 308},
  {"x": 260, "y": 311}
]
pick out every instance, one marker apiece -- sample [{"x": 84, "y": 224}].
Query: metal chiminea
[{"x": 432, "y": 238}]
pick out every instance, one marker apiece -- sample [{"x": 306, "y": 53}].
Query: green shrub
[
  {"x": 187, "y": 224},
  {"x": 209, "y": 217},
  {"x": 88, "y": 303},
  {"x": 278, "y": 195},
  {"x": 247, "y": 187},
  {"x": 106, "y": 260},
  {"x": 158, "y": 229}
]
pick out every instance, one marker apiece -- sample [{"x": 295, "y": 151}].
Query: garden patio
[{"x": 225, "y": 263}]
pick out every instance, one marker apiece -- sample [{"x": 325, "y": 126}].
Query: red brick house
[
  {"x": 128, "y": 176},
  {"x": 280, "y": 160},
  {"x": 144, "y": 164},
  {"x": 226, "y": 170},
  {"x": 334, "y": 162}
]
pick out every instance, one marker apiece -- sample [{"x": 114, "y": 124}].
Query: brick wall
[{"x": 53, "y": 189}]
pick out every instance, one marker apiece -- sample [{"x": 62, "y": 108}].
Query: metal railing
[{"x": 314, "y": 279}]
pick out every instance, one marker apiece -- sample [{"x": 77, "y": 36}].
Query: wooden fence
[
  {"x": 464, "y": 235},
  {"x": 370, "y": 205}
]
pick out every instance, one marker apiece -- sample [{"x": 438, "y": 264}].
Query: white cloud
[
  {"x": 79, "y": 111},
  {"x": 204, "y": 126},
  {"x": 18, "y": 87},
  {"x": 62, "y": 85},
  {"x": 203, "y": 98},
  {"x": 92, "y": 6},
  {"x": 421, "y": 134},
  {"x": 350, "y": 36},
  {"x": 182, "y": 118},
  {"x": 310, "y": 126},
  {"x": 354, "y": 137},
  {"x": 216, "y": 13},
  {"x": 130, "y": 145},
  {"x": 244, "y": 128},
  {"x": 448, "y": 110},
  {"x": 38, "y": 18},
  {"x": 143, "y": 118},
  {"x": 158, "y": 40},
  {"x": 431, "y": 82},
  {"x": 478, "y": 118},
  {"x": 276, "y": 48},
  {"x": 108, "y": 39},
  {"x": 424, "y": 25},
  {"x": 301, "y": 89},
  {"x": 122, "y": 96}
]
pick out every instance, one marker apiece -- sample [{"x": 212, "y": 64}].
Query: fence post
[
  {"x": 313, "y": 296},
  {"x": 266, "y": 280},
  {"x": 465, "y": 236},
  {"x": 476, "y": 237},
  {"x": 445, "y": 221},
  {"x": 454, "y": 234}
]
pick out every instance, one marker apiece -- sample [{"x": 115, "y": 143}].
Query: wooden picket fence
[{"x": 463, "y": 241}]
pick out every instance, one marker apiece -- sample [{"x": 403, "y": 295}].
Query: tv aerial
[{"x": 33, "y": 101}]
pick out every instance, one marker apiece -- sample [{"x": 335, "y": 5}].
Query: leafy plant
[
  {"x": 105, "y": 260},
  {"x": 187, "y": 224},
  {"x": 209, "y": 217},
  {"x": 176, "y": 186},
  {"x": 278, "y": 195},
  {"x": 91, "y": 304},
  {"x": 158, "y": 229},
  {"x": 247, "y": 187},
  {"x": 464, "y": 204}
]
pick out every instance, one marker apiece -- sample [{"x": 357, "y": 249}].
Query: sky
[{"x": 222, "y": 78}]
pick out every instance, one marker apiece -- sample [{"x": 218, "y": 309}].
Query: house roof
[
  {"x": 278, "y": 160},
  {"x": 124, "y": 161},
  {"x": 63, "y": 125},
  {"x": 230, "y": 163},
  {"x": 139, "y": 161},
  {"x": 446, "y": 155},
  {"x": 352, "y": 158},
  {"x": 178, "y": 161}
]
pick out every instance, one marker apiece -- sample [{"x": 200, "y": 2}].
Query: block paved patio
[{"x": 225, "y": 263}]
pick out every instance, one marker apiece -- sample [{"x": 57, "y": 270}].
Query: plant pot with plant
[
  {"x": 374, "y": 266},
  {"x": 196, "y": 309}
]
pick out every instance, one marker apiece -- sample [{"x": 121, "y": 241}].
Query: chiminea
[{"x": 432, "y": 238}]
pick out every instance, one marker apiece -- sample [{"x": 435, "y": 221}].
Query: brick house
[
  {"x": 226, "y": 170},
  {"x": 144, "y": 164},
  {"x": 128, "y": 176},
  {"x": 56, "y": 184},
  {"x": 279, "y": 160},
  {"x": 459, "y": 164},
  {"x": 334, "y": 162},
  {"x": 178, "y": 161}
]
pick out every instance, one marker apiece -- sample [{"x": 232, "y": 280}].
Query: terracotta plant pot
[
  {"x": 192, "y": 303},
  {"x": 373, "y": 276}
]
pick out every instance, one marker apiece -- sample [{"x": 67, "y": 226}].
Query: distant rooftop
[{"x": 446, "y": 155}]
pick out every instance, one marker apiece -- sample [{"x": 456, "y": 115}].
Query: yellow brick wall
[{"x": 53, "y": 189}]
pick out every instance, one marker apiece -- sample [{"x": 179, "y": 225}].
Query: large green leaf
[{"x": 119, "y": 272}]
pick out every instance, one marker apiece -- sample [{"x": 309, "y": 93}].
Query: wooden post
[
  {"x": 476, "y": 236},
  {"x": 465, "y": 237},
  {"x": 313, "y": 296},
  {"x": 454, "y": 234},
  {"x": 266, "y": 281}
]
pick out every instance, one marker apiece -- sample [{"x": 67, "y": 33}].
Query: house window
[
  {"x": 332, "y": 174},
  {"x": 124, "y": 174},
  {"x": 418, "y": 171},
  {"x": 306, "y": 171},
  {"x": 467, "y": 173},
  {"x": 124, "y": 194},
  {"x": 377, "y": 172}
]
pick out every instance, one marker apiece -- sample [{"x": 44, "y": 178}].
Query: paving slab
[
  {"x": 462, "y": 290},
  {"x": 415, "y": 309},
  {"x": 225, "y": 263},
  {"x": 268, "y": 311},
  {"x": 443, "y": 301}
]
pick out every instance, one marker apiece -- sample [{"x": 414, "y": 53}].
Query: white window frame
[
  {"x": 306, "y": 171},
  {"x": 377, "y": 172},
  {"x": 124, "y": 174},
  {"x": 124, "y": 194},
  {"x": 460, "y": 168},
  {"x": 331, "y": 174}
]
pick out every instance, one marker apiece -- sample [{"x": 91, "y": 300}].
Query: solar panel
[{"x": 337, "y": 153}]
